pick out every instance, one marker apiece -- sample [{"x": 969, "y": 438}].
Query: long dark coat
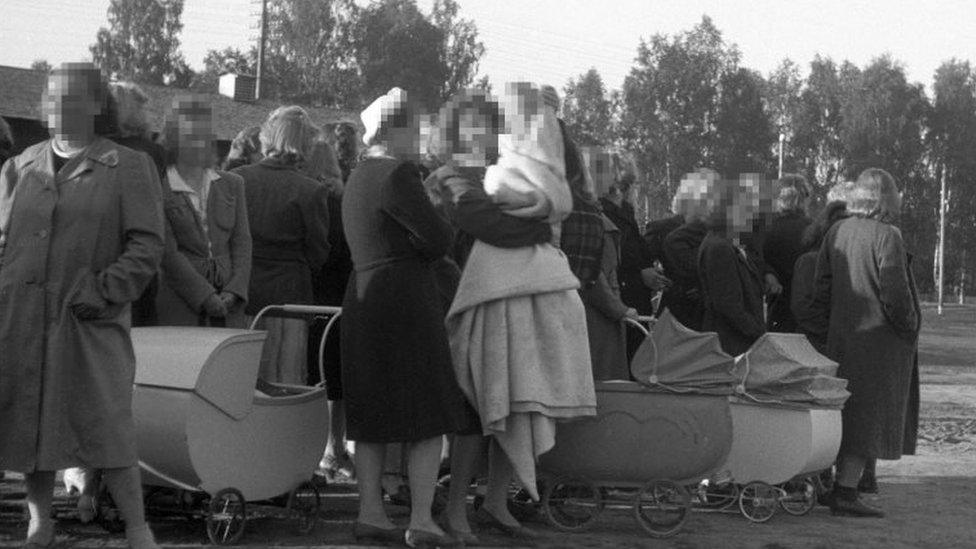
[
  {"x": 197, "y": 264},
  {"x": 680, "y": 259},
  {"x": 781, "y": 248},
  {"x": 731, "y": 293},
  {"x": 91, "y": 234},
  {"x": 288, "y": 215},
  {"x": 398, "y": 381},
  {"x": 866, "y": 299}
]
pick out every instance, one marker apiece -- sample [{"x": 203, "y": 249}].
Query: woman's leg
[
  {"x": 125, "y": 485},
  {"x": 40, "y": 494},
  {"x": 500, "y": 475},
  {"x": 369, "y": 468},
  {"x": 465, "y": 454},
  {"x": 424, "y": 459},
  {"x": 849, "y": 469}
]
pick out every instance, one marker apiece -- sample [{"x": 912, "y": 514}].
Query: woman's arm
[
  {"x": 406, "y": 202},
  {"x": 240, "y": 241},
  {"x": 180, "y": 275},
  {"x": 315, "y": 213},
  {"x": 894, "y": 290},
  {"x": 478, "y": 215},
  {"x": 601, "y": 297},
  {"x": 142, "y": 226}
]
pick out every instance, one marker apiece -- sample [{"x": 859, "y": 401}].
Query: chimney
[{"x": 239, "y": 87}]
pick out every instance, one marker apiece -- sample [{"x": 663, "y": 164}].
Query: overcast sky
[{"x": 553, "y": 40}]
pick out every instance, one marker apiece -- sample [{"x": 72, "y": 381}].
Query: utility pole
[
  {"x": 942, "y": 216},
  {"x": 782, "y": 138},
  {"x": 261, "y": 40}
]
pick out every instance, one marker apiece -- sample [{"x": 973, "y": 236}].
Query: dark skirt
[{"x": 397, "y": 379}]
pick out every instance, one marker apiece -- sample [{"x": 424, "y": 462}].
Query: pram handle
[
  {"x": 333, "y": 312},
  {"x": 643, "y": 323}
]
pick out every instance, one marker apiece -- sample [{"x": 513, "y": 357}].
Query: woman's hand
[
  {"x": 214, "y": 306},
  {"x": 228, "y": 299}
]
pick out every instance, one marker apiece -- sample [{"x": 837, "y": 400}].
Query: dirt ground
[{"x": 930, "y": 498}]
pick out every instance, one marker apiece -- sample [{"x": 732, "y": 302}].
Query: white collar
[{"x": 178, "y": 184}]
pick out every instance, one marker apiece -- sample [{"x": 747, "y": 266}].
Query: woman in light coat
[
  {"x": 81, "y": 235},
  {"x": 207, "y": 263}
]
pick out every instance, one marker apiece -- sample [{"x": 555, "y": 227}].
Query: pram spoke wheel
[
  {"x": 800, "y": 496},
  {"x": 571, "y": 504},
  {"x": 717, "y": 496},
  {"x": 758, "y": 501},
  {"x": 661, "y": 507},
  {"x": 305, "y": 502},
  {"x": 226, "y": 517}
]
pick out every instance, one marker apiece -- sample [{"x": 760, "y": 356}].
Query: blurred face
[
  {"x": 405, "y": 143},
  {"x": 195, "y": 138},
  {"x": 70, "y": 107},
  {"x": 477, "y": 144}
]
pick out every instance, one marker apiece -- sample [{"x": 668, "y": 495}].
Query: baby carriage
[
  {"x": 210, "y": 442},
  {"x": 786, "y": 429},
  {"x": 644, "y": 447}
]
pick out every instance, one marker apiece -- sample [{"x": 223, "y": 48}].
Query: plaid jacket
[{"x": 582, "y": 239}]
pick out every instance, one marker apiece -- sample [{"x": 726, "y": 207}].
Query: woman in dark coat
[
  {"x": 81, "y": 234},
  {"x": 288, "y": 215},
  {"x": 868, "y": 310},
  {"x": 207, "y": 263},
  {"x": 397, "y": 378},
  {"x": 732, "y": 288},
  {"x": 782, "y": 246},
  {"x": 680, "y": 250}
]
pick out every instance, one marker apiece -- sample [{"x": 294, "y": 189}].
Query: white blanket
[{"x": 518, "y": 338}]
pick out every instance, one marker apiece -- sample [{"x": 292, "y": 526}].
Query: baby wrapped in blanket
[{"x": 517, "y": 326}]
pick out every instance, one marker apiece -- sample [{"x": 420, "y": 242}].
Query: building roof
[{"x": 20, "y": 97}]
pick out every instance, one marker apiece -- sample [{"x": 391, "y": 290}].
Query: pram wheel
[
  {"x": 571, "y": 504},
  {"x": 226, "y": 517},
  {"x": 304, "y": 502},
  {"x": 717, "y": 496},
  {"x": 106, "y": 513},
  {"x": 661, "y": 508},
  {"x": 800, "y": 496},
  {"x": 758, "y": 501}
]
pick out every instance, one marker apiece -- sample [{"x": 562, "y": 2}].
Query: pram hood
[
  {"x": 678, "y": 359},
  {"x": 785, "y": 368},
  {"x": 218, "y": 364}
]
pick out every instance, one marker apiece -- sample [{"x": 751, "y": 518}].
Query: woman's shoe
[
  {"x": 423, "y": 539},
  {"x": 466, "y": 538},
  {"x": 519, "y": 532},
  {"x": 367, "y": 532},
  {"x": 845, "y": 502}
]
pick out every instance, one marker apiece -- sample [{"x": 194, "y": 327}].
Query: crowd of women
[{"x": 484, "y": 277}]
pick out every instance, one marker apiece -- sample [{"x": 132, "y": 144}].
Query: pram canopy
[
  {"x": 677, "y": 359},
  {"x": 785, "y": 368}
]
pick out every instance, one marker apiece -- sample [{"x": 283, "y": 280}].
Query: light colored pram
[{"x": 210, "y": 439}]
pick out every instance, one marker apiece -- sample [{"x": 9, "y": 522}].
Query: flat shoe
[
  {"x": 467, "y": 538},
  {"x": 519, "y": 532},
  {"x": 423, "y": 539},
  {"x": 854, "y": 508},
  {"x": 367, "y": 532}
]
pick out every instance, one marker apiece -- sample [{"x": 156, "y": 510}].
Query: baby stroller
[
  {"x": 645, "y": 446},
  {"x": 210, "y": 442}
]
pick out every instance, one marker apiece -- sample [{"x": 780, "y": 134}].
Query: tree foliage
[
  {"x": 218, "y": 62},
  {"x": 587, "y": 110},
  {"x": 310, "y": 51},
  {"x": 461, "y": 49},
  {"x": 142, "y": 42}
]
